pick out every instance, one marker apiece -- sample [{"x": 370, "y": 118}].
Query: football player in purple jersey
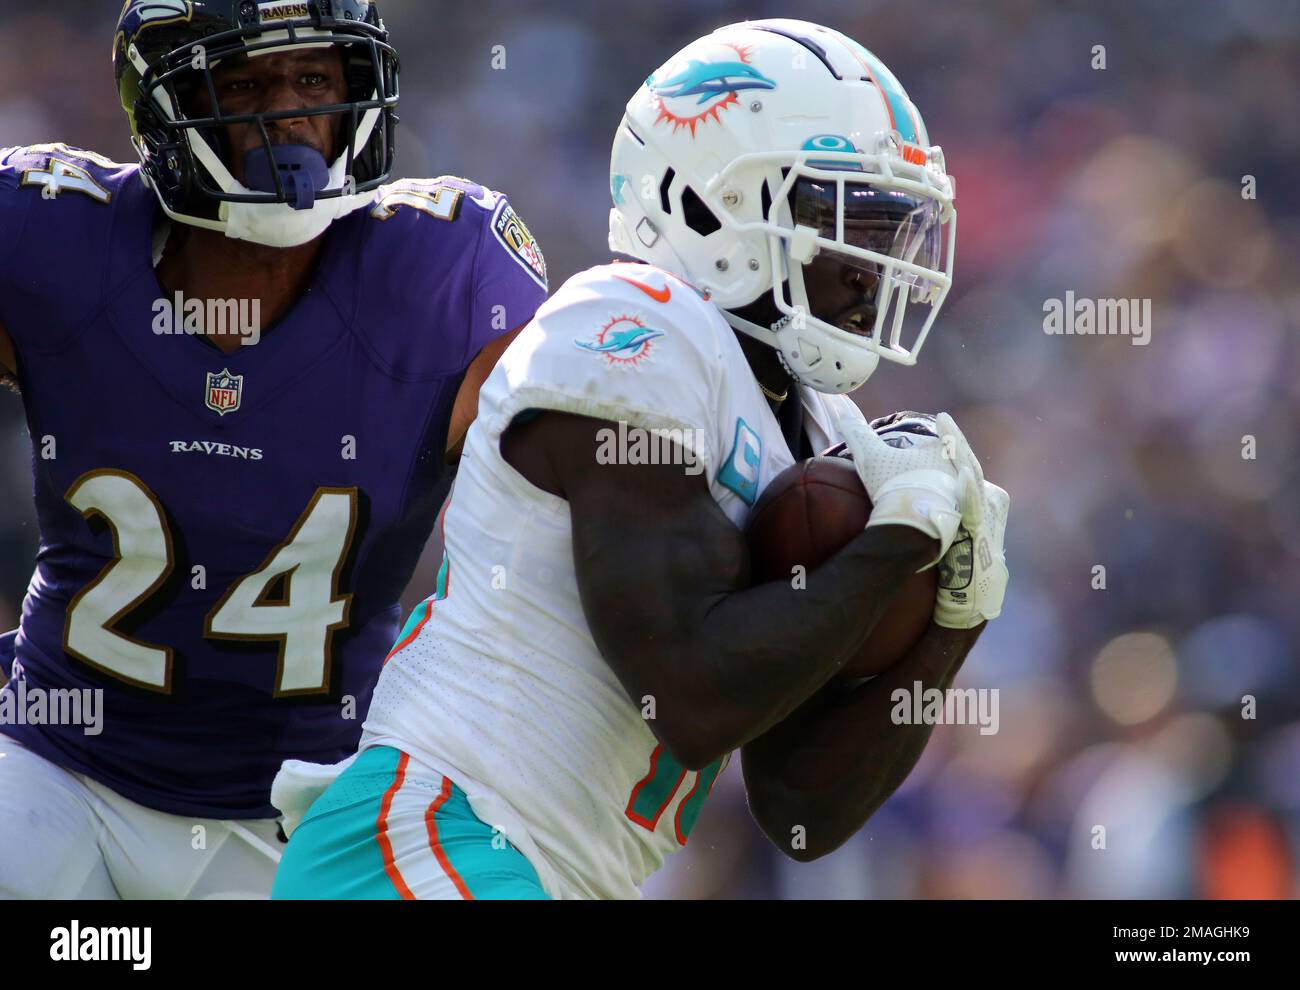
[{"x": 246, "y": 364}]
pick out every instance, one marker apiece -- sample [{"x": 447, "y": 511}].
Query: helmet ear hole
[
  {"x": 663, "y": 190},
  {"x": 697, "y": 216}
]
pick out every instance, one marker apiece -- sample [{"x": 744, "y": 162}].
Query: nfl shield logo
[{"x": 224, "y": 391}]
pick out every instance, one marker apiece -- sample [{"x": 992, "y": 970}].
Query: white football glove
[
  {"x": 973, "y": 573},
  {"x": 915, "y": 483}
]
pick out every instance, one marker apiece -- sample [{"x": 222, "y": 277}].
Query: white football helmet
[{"x": 781, "y": 159}]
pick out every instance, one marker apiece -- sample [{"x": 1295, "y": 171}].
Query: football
[{"x": 805, "y": 515}]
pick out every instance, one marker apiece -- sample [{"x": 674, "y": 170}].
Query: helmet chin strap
[
  {"x": 757, "y": 319},
  {"x": 769, "y": 368}
]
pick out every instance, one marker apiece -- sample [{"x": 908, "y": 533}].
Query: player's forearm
[
  {"x": 755, "y": 655},
  {"x": 822, "y": 775}
]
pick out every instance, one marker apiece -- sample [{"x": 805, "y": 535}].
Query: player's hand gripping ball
[
  {"x": 973, "y": 573},
  {"x": 813, "y": 508}
]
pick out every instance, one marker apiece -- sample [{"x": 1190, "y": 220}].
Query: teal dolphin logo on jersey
[
  {"x": 623, "y": 341},
  {"x": 740, "y": 470}
]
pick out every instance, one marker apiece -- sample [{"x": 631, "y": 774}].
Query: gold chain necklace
[{"x": 772, "y": 395}]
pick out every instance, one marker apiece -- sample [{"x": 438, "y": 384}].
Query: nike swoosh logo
[{"x": 658, "y": 295}]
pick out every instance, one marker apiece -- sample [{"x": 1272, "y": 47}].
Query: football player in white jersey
[{"x": 552, "y": 718}]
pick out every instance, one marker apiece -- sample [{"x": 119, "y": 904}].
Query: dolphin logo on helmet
[{"x": 708, "y": 80}]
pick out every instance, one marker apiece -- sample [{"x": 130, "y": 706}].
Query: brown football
[{"x": 809, "y": 512}]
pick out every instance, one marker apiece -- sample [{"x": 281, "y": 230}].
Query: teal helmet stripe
[{"x": 890, "y": 88}]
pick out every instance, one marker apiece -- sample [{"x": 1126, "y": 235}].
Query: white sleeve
[{"x": 606, "y": 348}]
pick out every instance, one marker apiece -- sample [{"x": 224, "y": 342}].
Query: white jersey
[{"x": 496, "y": 681}]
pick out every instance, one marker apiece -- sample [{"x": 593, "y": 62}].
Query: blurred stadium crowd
[{"x": 1121, "y": 706}]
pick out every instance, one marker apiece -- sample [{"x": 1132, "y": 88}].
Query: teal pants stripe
[
  {"x": 485, "y": 862},
  {"x": 335, "y": 854}
]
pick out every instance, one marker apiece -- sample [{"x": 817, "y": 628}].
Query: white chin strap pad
[{"x": 279, "y": 225}]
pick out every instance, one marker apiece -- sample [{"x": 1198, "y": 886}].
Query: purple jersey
[{"x": 224, "y": 538}]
